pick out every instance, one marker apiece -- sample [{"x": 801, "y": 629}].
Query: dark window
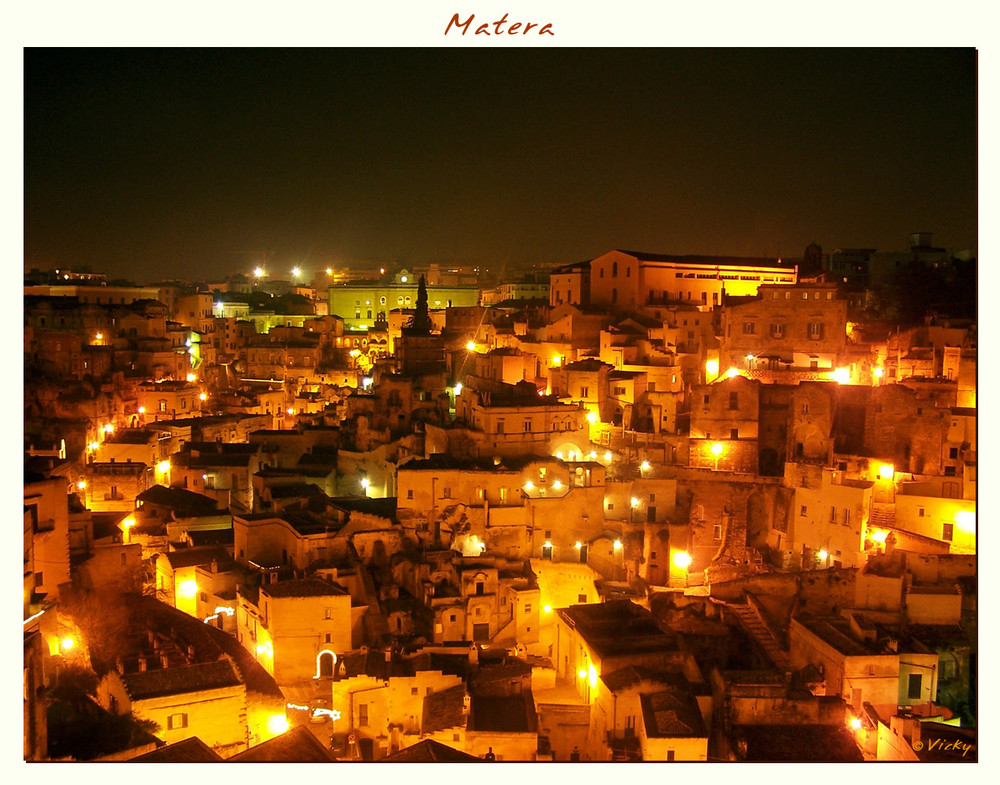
[
  {"x": 913, "y": 692},
  {"x": 362, "y": 714},
  {"x": 947, "y": 531},
  {"x": 953, "y": 453},
  {"x": 734, "y": 400},
  {"x": 734, "y": 433},
  {"x": 480, "y": 588},
  {"x": 581, "y": 598}
]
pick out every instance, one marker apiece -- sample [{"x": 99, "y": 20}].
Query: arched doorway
[{"x": 325, "y": 662}]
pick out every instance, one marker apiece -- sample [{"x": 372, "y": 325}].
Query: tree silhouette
[{"x": 421, "y": 321}]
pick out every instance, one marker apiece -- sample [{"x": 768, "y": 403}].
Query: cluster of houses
[{"x": 646, "y": 507}]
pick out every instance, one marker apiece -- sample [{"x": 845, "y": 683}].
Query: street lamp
[{"x": 717, "y": 452}]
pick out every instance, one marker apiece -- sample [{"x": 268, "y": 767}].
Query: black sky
[{"x": 184, "y": 163}]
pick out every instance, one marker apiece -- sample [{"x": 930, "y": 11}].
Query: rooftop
[{"x": 184, "y": 679}]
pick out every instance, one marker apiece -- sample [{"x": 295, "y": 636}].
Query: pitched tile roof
[
  {"x": 444, "y": 709},
  {"x": 296, "y": 745},
  {"x": 176, "y": 681},
  {"x": 430, "y": 751},
  {"x": 192, "y": 750}
]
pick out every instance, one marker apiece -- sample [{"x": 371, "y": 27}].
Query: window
[
  {"x": 584, "y": 392},
  {"x": 847, "y": 517},
  {"x": 913, "y": 690},
  {"x": 949, "y": 471},
  {"x": 581, "y": 598},
  {"x": 327, "y": 638},
  {"x": 527, "y": 426},
  {"x": 815, "y": 331},
  {"x": 706, "y": 399},
  {"x": 499, "y": 426},
  {"x": 328, "y": 613},
  {"x": 717, "y": 532},
  {"x": 833, "y": 515},
  {"x": 749, "y": 328},
  {"x": 480, "y": 589},
  {"x": 947, "y": 531},
  {"x": 805, "y": 408},
  {"x": 362, "y": 714},
  {"x": 527, "y": 607},
  {"x": 451, "y": 617},
  {"x": 670, "y": 755},
  {"x": 953, "y": 453},
  {"x": 446, "y": 493},
  {"x": 163, "y": 406},
  {"x": 409, "y": 493},
  {"x": 177, "y": 721},
  {"x": 734, "y": 400},
  {"x": 414, "y": 690},
  {"x": 652, "y": 498},
  {"x": 777, "y": 330},
  {"x": 802, "y": 511},
  {"x": 614, "y": 269},
  {"x": 480, "y": 494},
  {"x": 614, "y": 295},
  {"x": 734, "y": 433},
  {"x": 628, "y": 272}
]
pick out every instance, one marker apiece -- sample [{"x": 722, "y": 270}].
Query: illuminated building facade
[{"x": 629, "y": 280}]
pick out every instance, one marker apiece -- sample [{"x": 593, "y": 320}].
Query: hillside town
[{"x": 442, "y": 513}]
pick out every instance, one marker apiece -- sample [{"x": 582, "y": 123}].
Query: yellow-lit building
[
  {"x": 629, "y": 280},
  {"x": 297, "y": 629},
  {"x": 361, "y": 303}
]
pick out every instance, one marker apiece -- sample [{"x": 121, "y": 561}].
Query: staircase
[
  {"x": 755, "y": 627},
  {"x": 883, "y": 516}
]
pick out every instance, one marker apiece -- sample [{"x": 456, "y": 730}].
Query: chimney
[{"x": 214, "y": 565}]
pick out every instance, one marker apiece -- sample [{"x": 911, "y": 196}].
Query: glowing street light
[
  {"x": 458, "y": 388},
  {"x": 99, "y": 336},
  {"x": 471, "y": 346},
  {"x": 329, "y": 271},
  {"x": 258, "y": 272},
  {"x": 712, "y": 368},
  {"x": 296, "y": 272},
  {"x": 608, "y": 456},
  {"x": 203, "y": 396},
  {"x": 878, "y": 373},
  {"x": 529, "y": 486},
  {"x": 732, "y": 372},
  {"x": 192, "y": 377},
  {"x": 823, "y": 555},
  {"x": 886, "y": 471},
  {"x": 142, "y": 410},
  {"x": 365, "y": 483},
  {"x": 855, "y": 724},
  {"x": 645, "y": 466},
  {"x": 681, "y": 559},
  {"x": 188, "y": 588},
  {"x": 591, "y": 418},
  {"x": 578, "y": 545},
  {"x": 618, "y": 545},
  {"x": 634, "y": 501},
  {"x": 717, "y": 449},
  {"x": 547, "y": 608},
  {"x": 81, "y": 485},
  {"x": 556, "y": 485},
  {"x": 163, "y": 467}
]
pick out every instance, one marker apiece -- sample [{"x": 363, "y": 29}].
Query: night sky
[{"x": 194, "y": 163}]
